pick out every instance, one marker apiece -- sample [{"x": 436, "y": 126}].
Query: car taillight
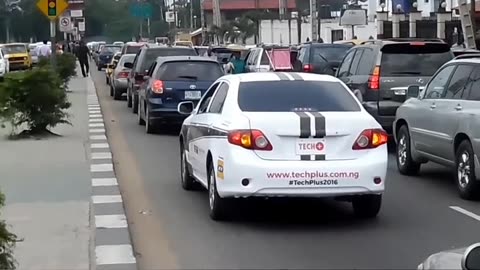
[
  {"x": 250, "y": 139},
  {"x": 374, "y": 81},
  {"x": 370, "y": 138},
  {"x": 122, "y": 74},
  {"x": 307, "y": 68},
  {"x": 157, "y": 87}
]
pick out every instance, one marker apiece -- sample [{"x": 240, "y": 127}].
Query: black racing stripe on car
[
  {"x": 296, "y": 77},
  {"x": 196, "y": 132},
  {"x": 319, "y": 157},
  {"x": 305, "y": 131},
  {"x": 305, "y": 157},
  {"x": 282, "y": 76},
  {"x": 320, "y": 125}
]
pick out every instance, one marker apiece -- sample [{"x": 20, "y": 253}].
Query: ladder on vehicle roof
[{"x": 467, "y": 26}]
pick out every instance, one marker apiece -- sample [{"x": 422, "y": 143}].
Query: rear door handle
[
  {"x": 433, "y": 106},
  {"x": 458, "y": 108}
]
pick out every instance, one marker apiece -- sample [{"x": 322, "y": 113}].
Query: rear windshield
[
  {"x": 127, "y": 59},
  {"x": 184, "y": 71},
  {"x": 286, "y": 96},
  {"x": 329, "y": 54},
  {"x": 416, "y": 60},
  {"x": 152, "y": 54},
  {"x": 133, "y": 49},
  {"x": 11, "y": 49},
  {"x": 111, "y": 49}
]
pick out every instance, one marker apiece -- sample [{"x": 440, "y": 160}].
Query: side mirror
[
  {"x": 128, "y": 65},
  {"x": 185, "y": 107},
  {"x": 413, "y": 91},
  {"x": 471, "y": 258}
]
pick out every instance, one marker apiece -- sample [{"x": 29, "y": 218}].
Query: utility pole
[
  {"x": 191, "y": 15},
  {"x": 217, "y": 19},
  {"x": 202, "y": 21},
  {"x": 174, "y": 20},
  {"x": 313, "y": 19}
]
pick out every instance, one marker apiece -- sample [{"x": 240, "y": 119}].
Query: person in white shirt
[{"x": 44, "y": 50}]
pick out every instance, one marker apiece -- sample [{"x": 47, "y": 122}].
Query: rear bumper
[
  {"x": 120, "y": 85},
  {"x": 386, "y": 121},
  {"x": 158, "y": 112}
]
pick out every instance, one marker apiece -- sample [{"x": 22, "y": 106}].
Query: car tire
[
  {"x": 405, "y": 163},
  {"x": 99, "y": 68},
  {"x": 129, "y": 99},
  {"x": 111, "y": 91},
  {"x": 188, "y": 182},
  {"x": 134, "y": 103},
  {"x": 218, "y": 206},
  {"x": 149, "y": 125},
  {"x": 467, "y": 182},
  {"x": 140, "y": 119},
  {"x": 107, "y": 81},
  {"x": 116, "y": 95},
  {"x": 367, "y": 206}
]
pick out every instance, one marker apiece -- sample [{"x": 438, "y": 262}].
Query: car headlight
[{"x": 25, "y": 58}]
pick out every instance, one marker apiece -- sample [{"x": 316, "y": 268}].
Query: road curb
[{"x": 112, "y": 245}]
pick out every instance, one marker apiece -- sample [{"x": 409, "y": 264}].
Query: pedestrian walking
[
  {"x": 44, "y": 50},
  {"x": 83, "y": 55}
]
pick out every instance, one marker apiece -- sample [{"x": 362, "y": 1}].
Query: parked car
[
  {"x": 170, "y": 81},
  {"x": 462, "y": 258},
  {"x": 143, "y": 60},
  {"x": 33, "y": 53},
  {"x": 379, "y": 72},
  {"x": 441, "y": 124},
  {"x": 4, "y": 65},
  {"x": 17, "y": 55},
  {"x": 268, "y": 58},
  {"x": 320, "y": 58},
  {"x": 118, "y": 79},
  {"x": 106, "y": 55}
]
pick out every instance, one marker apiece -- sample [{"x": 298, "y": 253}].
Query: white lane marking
[
  {"x": 96, "y": 130},
  {"x": 106, "y": 199},
  {"x": 96, "y": 125},
  {"x": 95, "y": 116},
  {"x": 96, "y": 108},
  {"x": 95, "y": 112},
  {"x": 95, "y": 120},
  {"x": 102, "y": 155},
  {"x": 111, "y": 221},
  {"x": 465, "y": 212},
  {"x": 107, "y": 167},
  {"x": 114, "y": 254},
  {"x": 98, "y": 137},
  {"x": 103, "y": 182},
  {"x": 99, "y": 145}
]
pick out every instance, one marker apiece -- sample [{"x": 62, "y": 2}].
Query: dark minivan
[
  {"x": 380, "y": 71},
  {"x": 320, "y": 58},
  {"x": 170, "y": 81},
  {"x": 143, "y": 60}
]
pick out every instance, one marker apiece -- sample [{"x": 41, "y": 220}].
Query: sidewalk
[{"x": 47, "y": 188}]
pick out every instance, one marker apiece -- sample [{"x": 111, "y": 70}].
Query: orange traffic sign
[{"x": 52, "y": 8}]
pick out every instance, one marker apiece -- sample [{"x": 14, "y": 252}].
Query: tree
[{"x": 7, "y": 243}]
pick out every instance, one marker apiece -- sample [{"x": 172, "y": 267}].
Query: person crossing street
[{"x": 83, "y": 53}]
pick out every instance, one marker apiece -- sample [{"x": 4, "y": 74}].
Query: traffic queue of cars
[{"x": 301, "y": 134}]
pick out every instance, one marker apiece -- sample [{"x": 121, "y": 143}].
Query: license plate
[
  {"x": 193, "y": 94},
  {"x": 310, "y": 147}
]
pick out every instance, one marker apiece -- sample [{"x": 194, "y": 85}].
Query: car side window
[
  {"x": 264, "y": 60},
  {"x": 438, "y": 83},
  {"x": 356, "y": 62},
  {"x": 203, "y": 105},
  {"x": 474, "y": 85},
  {"x": 219, "y": 99},
  {"x": 345, "y": 66},
  {"x": 367, "y": 62},
  {"x": 457, "y": 83},
  {"x": 151, "y": 69}
]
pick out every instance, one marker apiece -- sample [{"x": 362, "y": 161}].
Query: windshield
[
  {"x": 111, "y": 49},
  {"x": 152, "y": 55},
  {"x": 127, "y": 59},
  {"x": 133, "y": 49},
  {"x": 409, "y": 60},
  {"x": 286, "y": 96},
  {"x": 11, "y": 49},
  {"x": 329, "y": 54},
  {"x": 184, "y": 71}
]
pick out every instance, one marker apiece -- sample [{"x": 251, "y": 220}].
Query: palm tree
[{"x": 246, "y": 27}]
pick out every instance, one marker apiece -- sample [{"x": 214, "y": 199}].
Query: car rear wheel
[
  {"x": 188, "y": 182},
  {"x": 149, "y": 125},
  {"x": 134, "y": 103},
  {"x": 129, "y": 99},
  {"x": 405, "y": 163},
  {"x": 467, "y": 183},
  {"x": 367, "y": 206},
  {"x": 116, "y": 95},
  {"x": 111, "y": 91},
  {"x": 139, "y": 114},
  {"x": 218, "y": 205},
  {"x": 99, "y": 68}
]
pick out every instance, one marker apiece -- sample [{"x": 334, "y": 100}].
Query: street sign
[
  {"x": 52, "y": 8},
  {"x": 65, "y": 24},
  {"x": 81, "y": 26},
  {"x": 141, "y": 10}
]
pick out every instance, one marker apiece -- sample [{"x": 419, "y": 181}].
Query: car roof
[
  {"x": 276, "y": 76},
  {"x": 466, "y": 60},
  {"x": 185, "y": 58},
  {"x": 129, "y": 55}
]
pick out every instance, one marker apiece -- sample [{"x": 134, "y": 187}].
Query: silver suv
[{"x": 441, "y": 123}]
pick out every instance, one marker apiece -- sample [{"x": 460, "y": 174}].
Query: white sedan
[{"x": 282, "y": 135}]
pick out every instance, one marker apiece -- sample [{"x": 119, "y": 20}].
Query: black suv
[
  {"x": 320, "y": 58},
  {"x": 380, "y": 71},
  {"x": 143, "y": 60}
]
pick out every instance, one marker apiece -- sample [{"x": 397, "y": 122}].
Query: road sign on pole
[
  {"x": 65, "y": 24},
  {"x": 52, "y": 8}
]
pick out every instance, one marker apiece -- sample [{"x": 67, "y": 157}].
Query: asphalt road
[{"x": 171, "y": 227}]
